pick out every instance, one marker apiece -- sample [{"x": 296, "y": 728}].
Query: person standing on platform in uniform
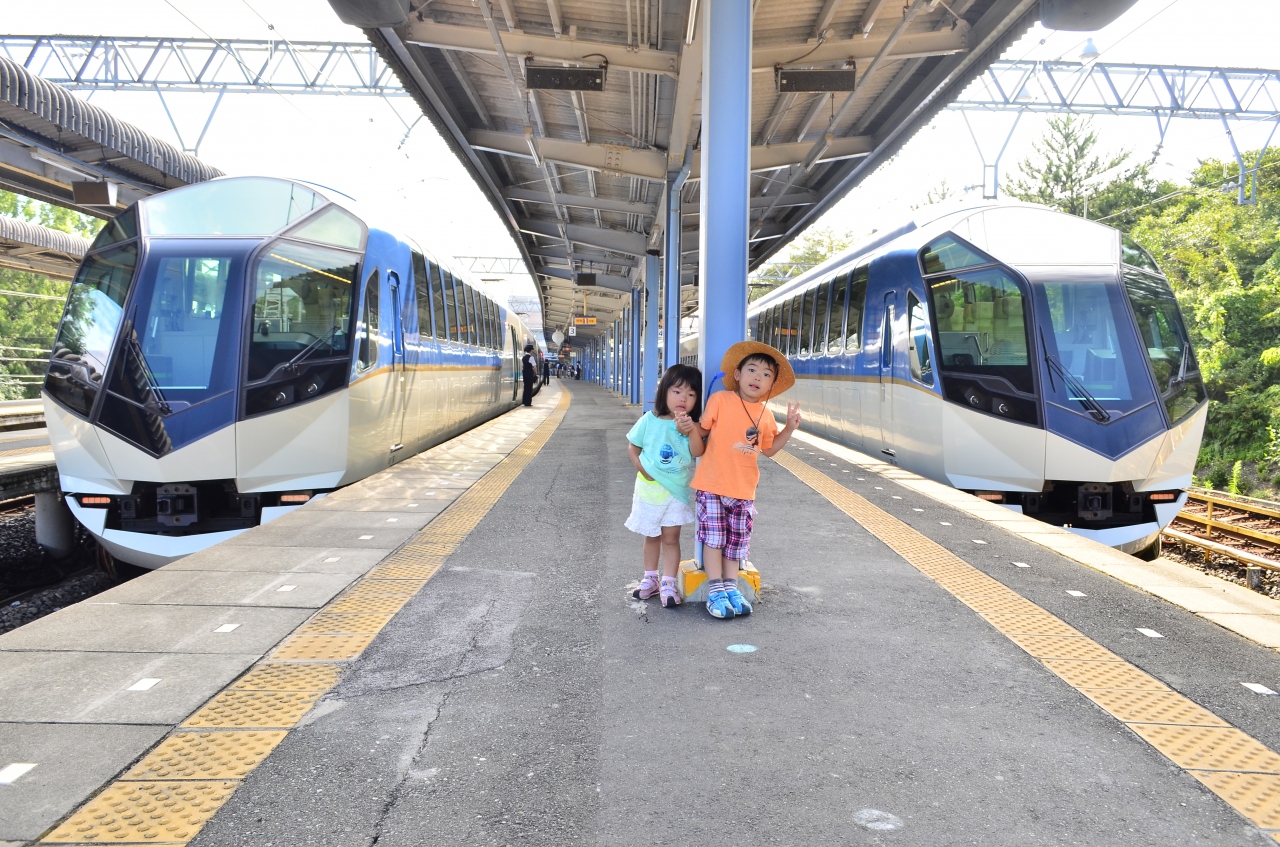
[
  {"x": 662, "y": 446},
  {"x": 738, "y": 427},
  {"x": 546, "y": 371},
  {"x": 530, "y": 373}
]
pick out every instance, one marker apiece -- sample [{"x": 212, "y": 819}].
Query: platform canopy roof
[{"x": 580, "y": 176}]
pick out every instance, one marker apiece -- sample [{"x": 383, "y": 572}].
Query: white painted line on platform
[
  {"x": 916, "y": 510},
  {"x": 862, "y": 479},
  {"x": 741, "y": 648},
  {"x": 879, "y": 488},
  {"x": 1259, "y": 688},
  {"x": 228, "y": 627},
  {"x": 844, "y": 471},
  {"x": 1076, "y": 593},
  {"x": 1149, "y": 633},
  {"x": 144, "y": 685},
  {"x": 333, "y": 558},
  {"x": 945, "y": 523},
  {"x": 896, "y": 497},
  {"x": 978, "y": 541},
  {"x": 413, "y": 505},
  {"x": 286, "y": 588},
  {"x": 392, "y": 520},
  {"x": 10, "y": 773},
  {"x": 1021, "y": 565},
  {"x": 365, "y": 537}
]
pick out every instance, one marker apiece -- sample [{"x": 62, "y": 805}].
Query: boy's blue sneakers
[
  {"x": 737, "y": 601},
  {"x": 719, "y": 606}
]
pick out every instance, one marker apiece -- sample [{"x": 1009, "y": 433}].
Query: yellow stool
[{"x": 692, "y": 582}]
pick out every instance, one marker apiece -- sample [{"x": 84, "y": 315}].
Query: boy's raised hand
[{"x": 793, "y": 416}]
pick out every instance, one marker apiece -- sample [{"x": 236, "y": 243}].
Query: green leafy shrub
[{"x": 1219, "y": 474}]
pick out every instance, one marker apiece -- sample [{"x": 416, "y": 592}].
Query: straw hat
[{"x": 733, "y": 357}]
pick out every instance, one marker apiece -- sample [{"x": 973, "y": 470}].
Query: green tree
[
  {"x": 28, "y": 323},
  {"x": 1066, "y": 174}
]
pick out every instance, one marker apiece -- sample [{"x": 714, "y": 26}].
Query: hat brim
[{"x": 785, "y": 380}]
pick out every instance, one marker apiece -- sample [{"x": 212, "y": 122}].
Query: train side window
[
  {"x": 784, "y": 328},
  {"x": 857, "y": 308},
  {"x": 422, "y": 292},
  {"x": 397, "y": 328},
  {"x": 473, "y": 316},
  {"x": 369, "y": 324},
  {"x": 806, "y": 323},
  {"x": 820, "y": 318},
  {"x": 451, "y": 305},
  {"x": 766, "y": 326},
  {"x": 495, "y": 318},
  {"x": 918, "y": 341},
  {"x": 839, "y": 305},
  {"x": 488, "y": 324},
  {"x": 482, "y": 320},
  {"x": 437, "y": 302}
]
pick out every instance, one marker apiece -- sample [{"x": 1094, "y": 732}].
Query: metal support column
[
  {"x": 613, "y": 335},
  {"x": 652, "y": 294},
  {"x": 637, "y": 328},
  {"x": 726, "y": 148},
  {"x": 672, "y": 276}
]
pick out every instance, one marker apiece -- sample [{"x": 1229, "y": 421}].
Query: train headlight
[{"x": 975, "y": 398}]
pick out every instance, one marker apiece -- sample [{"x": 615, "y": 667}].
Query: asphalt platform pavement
[{"x": 522, "y": 697}]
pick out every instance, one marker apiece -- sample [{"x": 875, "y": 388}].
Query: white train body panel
[
  {"x": 1035, "y": 358},
  {"x": 231, "y": 349}
]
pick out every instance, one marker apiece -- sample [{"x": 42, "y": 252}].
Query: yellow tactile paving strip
[
  {"x": 181, "y": 783},
  {"x": 1238, "y": 768}
]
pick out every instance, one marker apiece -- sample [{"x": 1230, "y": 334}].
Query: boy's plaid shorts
[{"x": 725, "y": 522}]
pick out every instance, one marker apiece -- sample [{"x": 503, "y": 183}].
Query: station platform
[{"x": 448, "y": 653}]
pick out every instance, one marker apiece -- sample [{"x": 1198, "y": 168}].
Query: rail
[
  {"x": 1239, "y": 528},
  {"x": 21, "y": 414}
]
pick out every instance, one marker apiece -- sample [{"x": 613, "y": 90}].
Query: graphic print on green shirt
[{"x": 664, "y": 454}]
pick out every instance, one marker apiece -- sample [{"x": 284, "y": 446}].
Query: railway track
[{"x": 1239, "y": 528}]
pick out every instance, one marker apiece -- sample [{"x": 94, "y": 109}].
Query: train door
[
  {"x": 399, "y": 373},
  {"x": 516, "y": 365},
  {"x": 887, "y": 355}
]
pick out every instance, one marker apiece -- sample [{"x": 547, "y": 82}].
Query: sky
[{"x": 359, "y": 145}]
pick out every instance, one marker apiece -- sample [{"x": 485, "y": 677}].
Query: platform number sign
[{"x": 573, "y": 330}]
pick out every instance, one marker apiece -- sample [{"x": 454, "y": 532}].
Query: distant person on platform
[
  {"x": 546, "y": 371},
  {"x": 577, "y": 371},
  {"x": 530, "y": 371}
]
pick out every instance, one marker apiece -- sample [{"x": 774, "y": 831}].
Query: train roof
[{"x": 1014, "y": 233}]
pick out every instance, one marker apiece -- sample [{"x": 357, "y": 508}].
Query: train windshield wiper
[
  {"x": 1181, "y": 378},
  {"x": 306, "y": 351},
  {"x": 1091, "y": 405},
  {"x": 144, "y": 371}
]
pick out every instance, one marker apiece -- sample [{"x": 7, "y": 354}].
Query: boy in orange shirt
[{"x": 737, "y": 428}]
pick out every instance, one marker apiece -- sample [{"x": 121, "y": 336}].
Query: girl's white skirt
[{"x": 653, "y": 507}]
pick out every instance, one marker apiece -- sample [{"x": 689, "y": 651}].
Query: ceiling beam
[
  {"x": 795, "y": 198},
  {"x": 610, "y": 281},
  {"x": 607, "y": 158},
  {"x": 942, "y": 43},
  {"x": 869, "y": 16},
  {"x": 688, "y": 86},
  {"x": 559, "y": 253},
  {"x": 651, "y": 164},
  {"x": 631, "y": 243},
  {"x": 545, "y": 48},
  {"x": 579, "y": 201}
]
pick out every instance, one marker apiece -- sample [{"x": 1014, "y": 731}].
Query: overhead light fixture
[
  {"x": 815, "y": 79},
  {"x": 94, "y": 193},
  {"x": 1090, "y": 53},
  {"x": 560, "y": 78},
  {"x": 62, "y": 165},
  {"x": 583, "y": 278}
]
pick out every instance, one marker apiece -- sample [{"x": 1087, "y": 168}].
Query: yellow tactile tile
[
  {"x": 1153, "y": 707},
  {"x": 1064, "y": 647},
  {"x": 331, "y": 648},
  {"x": 419, "y": 571},
  {"x": 144, "y": 812},
  {"x": 1254, "y": 795},
  {"x": 387, "y": 604},
  {"x": 1002, "y": 603},
  {"x": 1038, "y": 624},
  {"x": 1210, "y": 748},
  {"x": 288, "y": 676},
  {"x": 254, "y": 709},
  {"x": 1086, "y": 675},
  {"x": 343, "y": 623},
  {"x": 371, "y": 587},
  {"x": 206, "y": 755}
]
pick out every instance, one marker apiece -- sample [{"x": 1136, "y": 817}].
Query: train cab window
[
  {"x": 369, "y": 324},
  {"x": 331, "y": 226},
  {"x": 122, "y": 227},
  {"x": 1131, "y": 253},
  {"x": 422, "y": 293},
  {"x": 820, "y": 319},
  {"x": 918, "y": 341},
  {"x": 438, "y": 303},
  {"x": 806, "y": 323},
  {"x": 857, "y": 308},
  {"x": 982, "y": 352},
  {"x": 839, "y": 305},
  {"x": 1164, "y": 335},
  {"x": 450, "y": 305},
  {"x": 301, "y": 331},
  {"x": 89, "y": 323}
]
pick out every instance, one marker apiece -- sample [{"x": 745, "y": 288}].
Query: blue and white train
[
  {"x": 1033, "y": 358},
  {"x": 231, "y": 349}
]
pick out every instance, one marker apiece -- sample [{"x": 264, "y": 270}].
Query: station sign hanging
[{"x": 580, "y": 320}]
